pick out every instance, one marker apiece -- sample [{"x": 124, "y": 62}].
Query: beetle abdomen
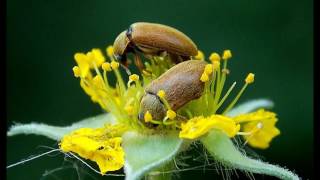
[
  {"x": 162, "y": 37},
  {"x": 181, "y": 83}
]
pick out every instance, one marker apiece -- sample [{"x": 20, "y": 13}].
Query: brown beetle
[
  {"x": 153, "y": 39},
  {"x": 181, "y": 84}
]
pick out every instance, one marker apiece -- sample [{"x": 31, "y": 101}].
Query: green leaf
[
  {"x": 147, "y": 152},
  {"x": 55, "y": 132},
  {"x": 223, "y": 150},
  {"x": 250, "y": 106}
]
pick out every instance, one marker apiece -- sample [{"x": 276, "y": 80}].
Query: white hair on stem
[
  {"x": 32, "y": 158},
  {"x": 93, "y": 168},
  {"x": 66, "y": 154}
]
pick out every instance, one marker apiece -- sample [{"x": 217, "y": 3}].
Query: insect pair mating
[{"x": 181, "y": 83}]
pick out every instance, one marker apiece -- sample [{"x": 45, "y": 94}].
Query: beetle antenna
[{"x": 126, "y": 69}]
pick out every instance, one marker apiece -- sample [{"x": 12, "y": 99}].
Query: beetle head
[
  {"x": 120, "y": 46},
  {"x": 151, "y": 103}
]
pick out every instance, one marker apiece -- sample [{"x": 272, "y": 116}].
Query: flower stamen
[
  {"x": 162, "y": 95},
  {"x": 249, "y": 79}
]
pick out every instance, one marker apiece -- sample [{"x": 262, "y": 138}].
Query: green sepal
[
  {"x": 145, "y": 153},
  {"x": 56, "y": 132},
  {"x": 224, "y": 151}
]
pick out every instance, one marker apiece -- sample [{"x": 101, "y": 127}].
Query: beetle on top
[{"x": 153, "y": 39}]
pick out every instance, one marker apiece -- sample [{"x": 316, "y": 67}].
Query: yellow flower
[
  {"x": 259, "y": 126},
  {"x": 96, "y": 145},
  {"x": 200, "y": 125},
  {"x": 199, "y": 56}
]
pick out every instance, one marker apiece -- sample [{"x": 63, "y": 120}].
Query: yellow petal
[
  {"x": 261, "y": 127},
  {"x": 199, "y": 126},
  {"x": 96, "y": 145}
]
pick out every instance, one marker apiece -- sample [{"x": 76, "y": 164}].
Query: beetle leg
[
  {"x": 148, "y": 56},
  {"x": 138, "y": 62},
  {"x": 185, "y": 58},
  {"x": 175, "y": 58}
]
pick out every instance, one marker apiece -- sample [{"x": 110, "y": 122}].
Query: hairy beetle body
[{"x": 181, "y": 84}]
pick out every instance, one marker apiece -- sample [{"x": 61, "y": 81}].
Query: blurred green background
[{"x": 273, "y": 39}]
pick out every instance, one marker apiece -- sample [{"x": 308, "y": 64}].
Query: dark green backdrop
[{"x": 272, "y": 38}]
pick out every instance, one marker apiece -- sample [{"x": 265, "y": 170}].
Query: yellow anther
[
  {"x": 200, "y": 55},
  {"x": 106, "y": 66},
  {"x": 171, "y": 114},
  {"x": 250, "y": 78},
  {"x": 214, "y": 57},
  {"x": 216, "y": 65},
  {"x": 97, "y": 56},
  {"x": 204, "y": 77},
  {"x": 134, "y": 77},
  {"x": 226, "y": 54},
  {"x": 208, "y": 69},
  {"x": 129, "y": 109},
  {"x": 147, "y": 117},
  {"x": 161, "y": 94},
  {"x": 76, "y": 71},
  {"x": 83, "y": 64},
  {"x": 114, "y": 65},
  {"x": 110, "y": 51}
]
